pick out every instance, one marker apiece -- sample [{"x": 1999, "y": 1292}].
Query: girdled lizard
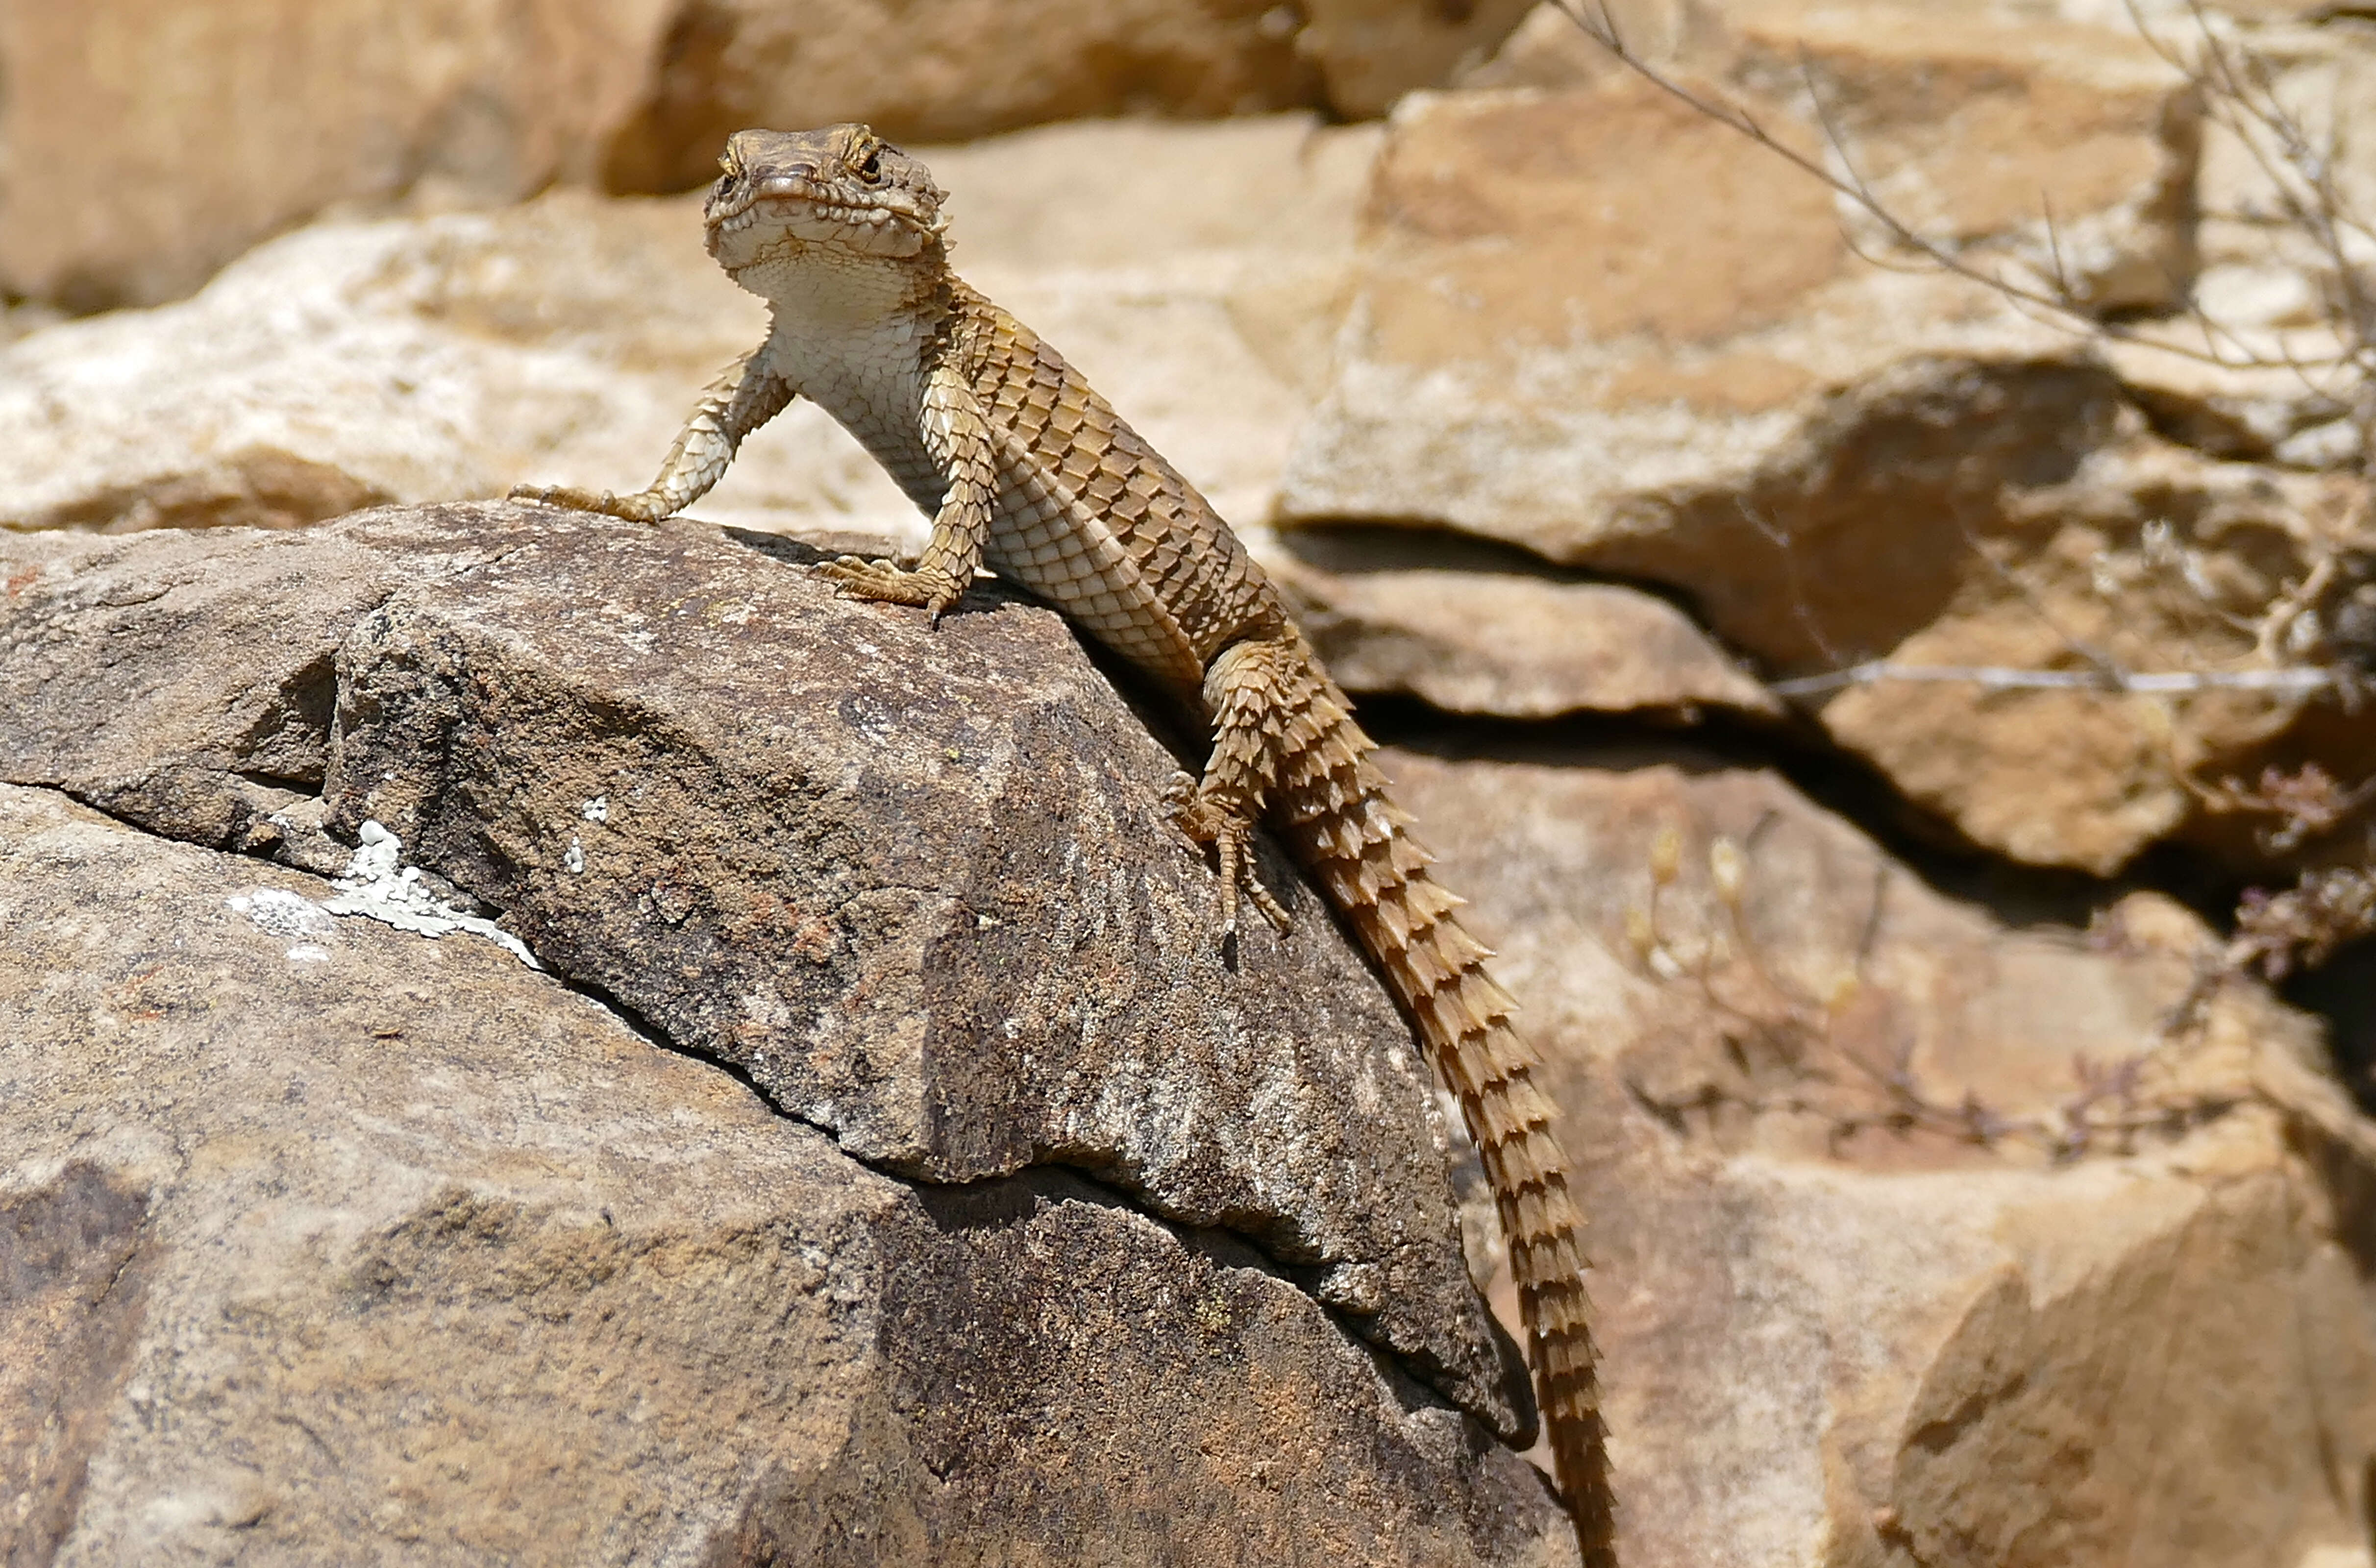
[{"x": 1021, "y": 466}]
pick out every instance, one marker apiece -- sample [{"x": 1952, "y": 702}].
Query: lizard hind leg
[
  {"x": 1259, "y": 693},
  {"x": 1208, "y": 819}
]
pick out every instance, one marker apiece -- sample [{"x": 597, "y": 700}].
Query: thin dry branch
[
  {"x": 2060, "y": 306},
  {"x": 2005, "y": 678},
  {"x": 2112, "y": 1102}
]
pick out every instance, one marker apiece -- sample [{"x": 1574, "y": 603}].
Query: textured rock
[
  {"x": 425, "y": 359},
  {"x": 1491, "y": 382},
  {"x": 1372, "y": 52},
  {"x": 236, "y": 121},
  {"x": 1838, "y": 1330},
  {"x": 918, "y": 883},
  {"x": 1835, "y": 464},
  {"x": 321, "y": 1242},
  {"x": 945, "y": 70},
  {"x": 1413, "y": 618},
  {"x": 2151, "y": 559}
]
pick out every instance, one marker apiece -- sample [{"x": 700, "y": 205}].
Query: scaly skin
[{"x": 1022, "y": 466}]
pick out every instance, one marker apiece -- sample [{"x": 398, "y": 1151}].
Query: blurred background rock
[{"x": 217, "y": 124}]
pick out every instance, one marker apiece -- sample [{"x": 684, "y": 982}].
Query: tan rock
[
  {"x": 1372, "y": 52},
  {"x": 1545, "y": 339},
  {"x": 1971, "y": 123},
  {"x": 1838, "y": 464},
  {"x": 563, "y": 341},
  {"x": 148, "y": 142},
  {"x": 2151, "y": 559},
  {"x": 1841, "y": 1329},
  {"x": 329, "y": 1242},
  {"x": 151, "y": 141},
  {"x": 1398, "y": 617},
  {"x": 945, "y": 70}
]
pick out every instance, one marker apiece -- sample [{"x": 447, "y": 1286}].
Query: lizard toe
[
  {"x": 1189, "y": 813},
  {"x": 640, "y": 507}
]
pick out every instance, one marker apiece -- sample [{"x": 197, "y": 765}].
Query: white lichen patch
[
  {"x": 596, "y": 809},
  {"x": 379, "y": 887}
]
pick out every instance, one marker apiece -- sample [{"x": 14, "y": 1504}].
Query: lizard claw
[
  {"x": 1233, "y": 836},
  {"x": 883, "y": 583}
]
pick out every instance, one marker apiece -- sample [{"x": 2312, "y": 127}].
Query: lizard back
[{"x": 1093, "y": 519}]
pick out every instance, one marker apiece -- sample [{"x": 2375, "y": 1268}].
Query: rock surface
[
  {"x": 425, "y": 359},
  {"x": 1465, "y": 632},
  {"x": 1834, "y": 463},
  {"x": 1489, "y": 382},
  {"x": 2053, "y": 1347},
  {"x": 2018, "y": 1232},
  {"x": 236, "y": 122},
  {"x": 918, "y": 883},
  {"x": 323, "y": 1241}
]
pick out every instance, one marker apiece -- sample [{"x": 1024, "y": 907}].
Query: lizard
[{"x": 1023, "y": 467}]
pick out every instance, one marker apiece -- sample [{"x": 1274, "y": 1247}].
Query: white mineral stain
[
  {"x": 276, "y": 912},
  {"x": 379, "y": 887}
]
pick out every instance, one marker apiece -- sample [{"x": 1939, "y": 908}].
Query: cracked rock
[
  {"x": 918, "y": 883},
  {"x": 322, "y": 1241}
]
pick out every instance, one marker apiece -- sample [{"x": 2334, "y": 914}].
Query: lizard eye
[{"x": 871, "y": 170}]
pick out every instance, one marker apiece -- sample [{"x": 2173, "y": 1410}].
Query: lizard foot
[
  {"x": 885, "y": 584},
  {"x": 1232, "y": 835},
  {"x": 636, "y": 508}
]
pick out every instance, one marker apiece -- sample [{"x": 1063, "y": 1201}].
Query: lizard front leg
[
  {"x": 737, "y": 403},
  {"x": 957, "y": 436},
  {"x": 1252, "y": 689}
]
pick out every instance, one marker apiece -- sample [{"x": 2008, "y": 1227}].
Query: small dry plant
[{"x": 2313, "y": 638}]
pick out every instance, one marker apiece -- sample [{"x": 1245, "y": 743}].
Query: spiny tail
[{"x": 1331, "y": 805}]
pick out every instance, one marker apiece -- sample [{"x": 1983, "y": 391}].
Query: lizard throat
[{"x": 831, "y": 288}]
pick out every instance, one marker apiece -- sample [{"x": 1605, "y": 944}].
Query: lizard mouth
[{"x": 761, "y": 210}]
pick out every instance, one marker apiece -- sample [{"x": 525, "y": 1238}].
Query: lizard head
[{"x": 842, "y": 189}]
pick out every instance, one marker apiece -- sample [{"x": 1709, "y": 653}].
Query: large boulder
[
  {"x": 324, "y": 1242},
  {"x": 918, "y": 883},
  {"x": 1900, "y": 1215}
]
